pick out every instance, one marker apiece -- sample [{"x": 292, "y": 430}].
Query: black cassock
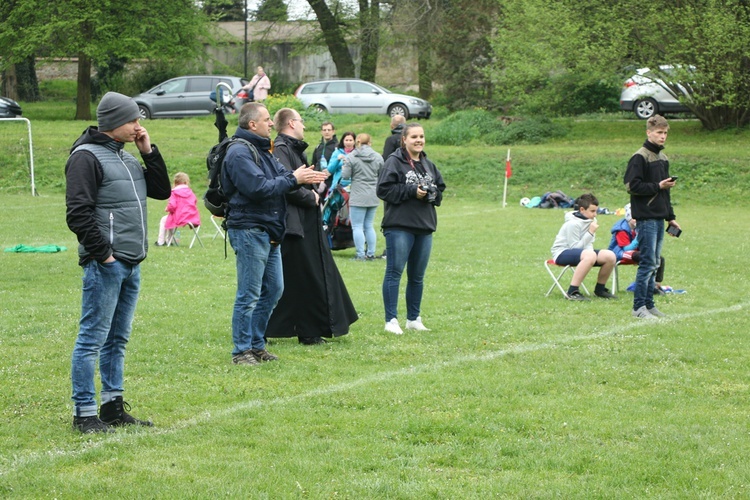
[{"x": 315, "y": 302}]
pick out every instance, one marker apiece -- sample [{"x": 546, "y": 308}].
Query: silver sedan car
[
  {"x": 184, "y": 96},
  {"x": 360, "y": 97}
]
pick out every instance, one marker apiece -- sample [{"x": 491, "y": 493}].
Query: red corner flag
[{"x": 508, "y": 170}]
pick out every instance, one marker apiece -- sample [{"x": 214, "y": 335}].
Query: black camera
[{"x": 432, "y": 193}]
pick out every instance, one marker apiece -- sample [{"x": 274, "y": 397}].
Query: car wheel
[
  {"x": 646, "y": 108},
  {"x": 319, "y": 108},
  {"x": 143, "y": 110},
  {"x": 398, "y": 109}
]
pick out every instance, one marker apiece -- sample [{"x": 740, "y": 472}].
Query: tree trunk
[
  {"x": 424, "y": 63},
  {"x": 28, "y": 85},
  {"x": 10, "y": 83},
  {"x": 334, "y": 39},
  {"x": 369, "y": 28},
  {"x": 83, "y": 97}
]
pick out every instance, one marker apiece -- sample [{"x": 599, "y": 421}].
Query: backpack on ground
[{"x": 215, "y": 198}]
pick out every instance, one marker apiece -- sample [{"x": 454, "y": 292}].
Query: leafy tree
[
  {"x": 334, "y": 35},
  {"x": 95, "y": 32},
  {"x": 272, "y": 10},
  {"x": 369, "y": 37},
  {"x": 540, "y": 45},
  {"x": 224, "y": 10},
  {"x": 463, "y": 51}
]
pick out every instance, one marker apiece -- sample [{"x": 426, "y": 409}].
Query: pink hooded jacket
[{"x": 182, "y": 208}]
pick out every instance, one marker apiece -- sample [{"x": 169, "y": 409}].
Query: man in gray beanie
[{"x": 105, "y": 196}]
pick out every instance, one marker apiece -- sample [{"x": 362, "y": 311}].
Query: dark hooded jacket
[
  {"x": 646, "y": 169},
  {"x": 105, "y": 196},
  {"x": 393, "y": 142},
  {"x": 397, "y": 186},
  {"x": 256, "y": 191}
]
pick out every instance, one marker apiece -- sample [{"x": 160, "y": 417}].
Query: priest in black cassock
[{"x": 315, "y": 303}]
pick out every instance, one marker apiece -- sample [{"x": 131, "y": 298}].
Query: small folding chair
[
  {"x": 170, "y": 238},
  {"x": 219, "y": 231},
  {"x": 556, "y": 278},
  {"x": 615, "y": 273}
]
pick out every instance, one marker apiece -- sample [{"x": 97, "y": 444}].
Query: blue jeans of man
[
  {"x": 413, "y": 251},
  {"x": 110, "y": 294},
  {"x": 260, "y": 283},
  {"x": 650, "y": 239},
  {"x": 363, "y": 230}
]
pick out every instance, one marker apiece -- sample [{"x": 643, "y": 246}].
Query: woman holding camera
[{"x": 411, "y": 187}]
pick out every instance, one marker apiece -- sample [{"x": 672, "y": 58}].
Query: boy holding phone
[{"x": 648, "y": 181}]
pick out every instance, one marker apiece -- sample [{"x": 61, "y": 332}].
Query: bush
[
  {"x": 527, "y": 130},
  {"x": 463, "y": 127}
]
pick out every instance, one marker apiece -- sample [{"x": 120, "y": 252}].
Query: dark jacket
[
  {"x": 324, "y": 148},
  {"x": 106, "y": 204},
  {"x": 291, "y": 154},
  {"x": 393, "y": 142},
  {"x": 646, "y": 168},
  {"x": 397, "y": 186},
  {"x": 256, "y": 192}
]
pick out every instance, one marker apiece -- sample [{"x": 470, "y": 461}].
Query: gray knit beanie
[{"x": 114, "y": 110}]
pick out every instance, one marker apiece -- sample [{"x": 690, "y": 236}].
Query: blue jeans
[
  {"x": 363, "y": 230},
  {"x": 650, "y": 239},
  {"x": 411, "y": 250},
  {"x": 110, "y": 294},
  {"x": 260, "y": 283}
]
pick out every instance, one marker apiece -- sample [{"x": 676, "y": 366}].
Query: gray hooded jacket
[{"x": 363, "y": 166}]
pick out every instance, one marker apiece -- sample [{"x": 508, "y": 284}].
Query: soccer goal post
[{"x": 31, "y": 150}]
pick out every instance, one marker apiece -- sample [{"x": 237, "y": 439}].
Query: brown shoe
[
  {"x": 263, "y": 355},
  {"x": 245, "y": 358}
]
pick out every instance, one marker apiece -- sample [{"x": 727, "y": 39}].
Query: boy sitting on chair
[
  {"x": 574, "y": 246},
  {"x": 624, "y": 244}
]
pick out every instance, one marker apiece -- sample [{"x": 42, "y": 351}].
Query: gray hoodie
[
  {"x": 362, "y": 166},
  {"x": 574, "y": 233}
]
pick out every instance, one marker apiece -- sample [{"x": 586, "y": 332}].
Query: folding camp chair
[
  {"x": 616, "y": 273},
  {"x": 171, "y": 237},
  {"x": 217, "y": 225},
  {"x": 556, "y": 278}
]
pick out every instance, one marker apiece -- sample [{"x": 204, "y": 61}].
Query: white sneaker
[
  {"x": 416, "y": 325},
  {"x": 392, "y": 327},
  {"x": 643, "y": 313},
  {"x": 655, "y": 312}
]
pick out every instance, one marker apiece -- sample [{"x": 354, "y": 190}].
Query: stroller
[{"x": 336, "y": 222}]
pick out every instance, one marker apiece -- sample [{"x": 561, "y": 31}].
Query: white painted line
[{"x": 207, "y": 416}]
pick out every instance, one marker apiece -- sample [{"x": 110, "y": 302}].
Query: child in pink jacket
[{"x": 182, "y": 209}]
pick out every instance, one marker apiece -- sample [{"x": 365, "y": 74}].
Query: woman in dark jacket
[
  {"x": 411, "y": 186},
  {"x": 315, "y": 302}
]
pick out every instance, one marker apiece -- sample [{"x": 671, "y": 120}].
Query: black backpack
[{"x": 215, "y": 198}]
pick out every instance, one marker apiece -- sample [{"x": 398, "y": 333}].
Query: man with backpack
[{"x": 256, "y": 222}]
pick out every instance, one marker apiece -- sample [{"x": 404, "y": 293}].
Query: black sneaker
[
  {"x": 90, "y": 425},
  {"x": 245, "y": 358},
  {"x": 263, "y": 355},
  {"x": 114, "y": 414},
  {"x": 604, "y": 294},
  {"x": 577, "y": 295}
]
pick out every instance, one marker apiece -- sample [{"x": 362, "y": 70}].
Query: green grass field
[{"x": 510, "y": 395}]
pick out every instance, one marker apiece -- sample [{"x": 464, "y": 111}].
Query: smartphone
[
  {"x": 673, "y": 178},
  {"x": 674, "y": 231}
]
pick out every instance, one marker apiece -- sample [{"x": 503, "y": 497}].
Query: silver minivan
[
  {"x": 184, "y": 96},
  {"x": 360, "y": 97}
]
